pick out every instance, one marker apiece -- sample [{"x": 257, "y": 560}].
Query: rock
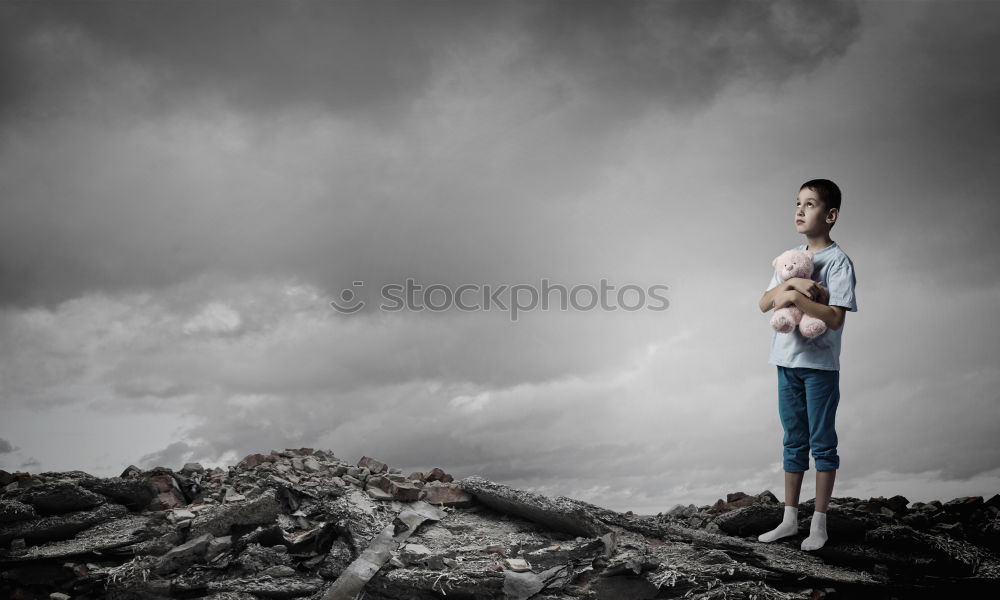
[
  {"x": 59, "y": 527},
  {"x": 218, "y": 545},
  {"x": 13, "y": 510},
  {"x": 557, "y": 514},
  {"x": 135, "y": 491},
  {"x": 352, "y": 480},
  {"x": 437, "y": 474},
  {"x": 168, "y": 493},
  {"x": 336, "y": 560},
  {"x": 254, "y": 460},
  {"x": 447, "y": 494},
  {"x": 516, "y": 564},
  {"x": 412, "y": 553},
  {"x": 402, "y": 491},
  {"x": 183, "y": 555},
  {"x": 192, "y": 468},
  {"x": 373, "y": 466},
  {"x": 379, "y": 494},
  {"x": 739, "y": 500},
  {"x": 963, "y": 507},
  {"x": 219, "y": 520},
  {"x": 60, "y": 497},
  {"x": 750, "y": 520}
]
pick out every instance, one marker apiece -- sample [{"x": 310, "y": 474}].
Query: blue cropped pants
[{"x": 807, "y": 406}]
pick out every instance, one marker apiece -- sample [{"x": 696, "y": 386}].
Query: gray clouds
[
  {"x": 154, "y": 142},
  {"x": 368, "y": 55},
  {"x": 186, "y": 185}
]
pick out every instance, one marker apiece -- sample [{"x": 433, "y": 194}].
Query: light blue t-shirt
[{"x": 834, "y": 268}]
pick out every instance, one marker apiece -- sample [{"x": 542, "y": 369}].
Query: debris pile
[{"x": 302, "y": 523}]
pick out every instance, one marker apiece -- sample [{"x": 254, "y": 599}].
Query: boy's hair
[{"x": 827, "y": 191}]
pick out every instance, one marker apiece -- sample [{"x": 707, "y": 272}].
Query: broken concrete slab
[
  {"x": 181, "y": 556},
  {"x": 57, "y": 497},
  {"x": 219, "y": 520},
  {"x": 359, "y": 572},
  {"x": 58, "y": 527},
  {"x": 561, "y": 516}
]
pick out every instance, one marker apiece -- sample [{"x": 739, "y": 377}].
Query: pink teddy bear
[{"x": 797, "y": 263}]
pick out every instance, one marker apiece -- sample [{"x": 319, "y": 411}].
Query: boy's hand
[
  {"x": 807, "y": 287},
  {"x": 785, "y": 298}
]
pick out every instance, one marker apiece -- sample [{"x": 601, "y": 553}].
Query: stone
[
  {"x": 516, "y": 564},
  {"x": 192, "y": 468},
  {"x": 135, "y": 490},
  {"x": 399, "y": 490},
  {"x": 218, "y": 545},
  {"x": 448, "y": 494},
  {"x": 219, "y": 520},
  {"x": 739, "y": 500},
  {"x": 379, "y": 494},
  {"x": 168, "y": 493},
  {"x": 255, "y": 460},
  {"x": 411, "y": 553},
  {"x": 183, "y": 555},
  {"x": 14, "y": 510},
  {"x": 437, "y": 474},
  {"x": 559, "y": 514},
  {"x": 60, "y": 497},
  {"x": 61, "y": 526},
  {"x": 373, "y": 465}
]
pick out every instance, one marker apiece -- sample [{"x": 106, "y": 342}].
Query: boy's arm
[
  {"x": 767, "y": 300},
  {"x": 808, "y": 287},
  {"x": 833, "y": 316}
]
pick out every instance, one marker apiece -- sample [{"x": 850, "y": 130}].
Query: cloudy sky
[{"x": 184, "y": 187}]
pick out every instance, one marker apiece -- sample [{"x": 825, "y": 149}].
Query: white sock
[
  {"x": 789, "y": 526},
  {"x": 817, "y": 532}
]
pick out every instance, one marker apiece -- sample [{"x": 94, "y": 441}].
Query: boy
[{"x": 809, "y": 369}]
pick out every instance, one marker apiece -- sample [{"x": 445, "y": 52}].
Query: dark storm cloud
[
  {"x": 679, "y": 54},
  {"x": 259, "y": 55},
  {"x": 5, "y": 446},
  {"x": 87, "y": 207},
  {"x": 347, "y": 55}
]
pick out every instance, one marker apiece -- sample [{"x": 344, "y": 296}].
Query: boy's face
[{"x": 811, "y": 216}]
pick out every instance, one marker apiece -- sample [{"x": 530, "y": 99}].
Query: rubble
[{"x": 302, "y": 523}]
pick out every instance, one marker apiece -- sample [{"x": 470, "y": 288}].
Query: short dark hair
[{"x": 827, "y": 191}]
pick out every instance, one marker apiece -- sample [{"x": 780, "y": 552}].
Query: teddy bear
[{"x": 798, "y": 263}]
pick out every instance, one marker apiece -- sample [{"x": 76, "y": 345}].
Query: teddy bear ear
[{"x": 774, "y": 263}]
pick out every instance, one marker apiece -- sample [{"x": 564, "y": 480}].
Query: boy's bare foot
[{"x": 789, "y": 526}]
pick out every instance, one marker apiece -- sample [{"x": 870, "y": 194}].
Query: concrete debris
[
  {"x": 357, "y": 574},
  {"x": 302, "y": 523},
  {"x": 556, "y": 514},
  {"x": 517, "y": 564}
]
